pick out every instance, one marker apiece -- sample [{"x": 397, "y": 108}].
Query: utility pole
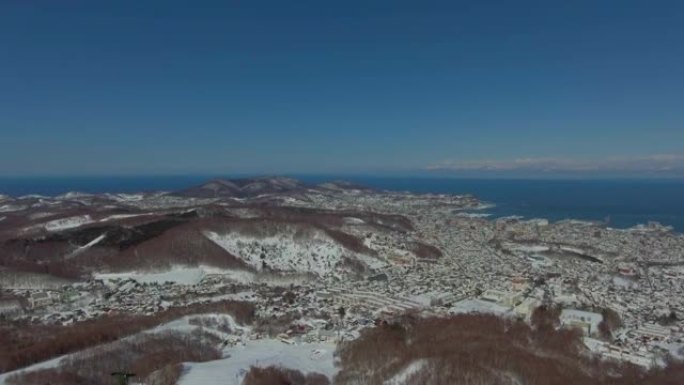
[{"x": 122, "y": 377}]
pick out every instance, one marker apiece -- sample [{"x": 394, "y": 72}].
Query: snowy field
[
  {"x": 183, "y": 276},
  {"x": 8, "y": 208},
  {"x": 53, "y": 363},
  {"x": 68, "y": 223},
  {"x": 237, "y": 333},
  {"x": 88, "y": 245},
  {"x": 527, "y": 248},
  {"x": 122, "y": 216},
  {"x": 478, "y": 306},
  {"x": 406, "y": 373},
  {"x": 318, "y": 253},
  {"x": 268, "y": 352}
]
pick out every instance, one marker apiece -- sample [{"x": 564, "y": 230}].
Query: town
[{"x": 623, "y": 288}]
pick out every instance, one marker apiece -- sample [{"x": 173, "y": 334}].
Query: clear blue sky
[{"x": 158, "y": 87}]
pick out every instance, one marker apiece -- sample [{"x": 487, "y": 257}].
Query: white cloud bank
[{"x": 650, "y": 164}]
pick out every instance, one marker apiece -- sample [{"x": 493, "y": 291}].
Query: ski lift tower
[{"x": 122, "y": 377}]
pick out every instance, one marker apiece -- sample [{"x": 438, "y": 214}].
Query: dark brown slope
[
  {"x": 244, "y": 188},
  {"x": 183, "y": 245},
  {"x": 484, "y": 349},
  {"x": 333, "y": 219},
  {"x": 162, "y": 238},
  {"x": 264, "y": 186},
  {"x": 60, "y": 253}
]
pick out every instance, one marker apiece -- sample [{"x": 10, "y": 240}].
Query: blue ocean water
[
  {"x": 625, "y": 202},
  {"x": 51, "y": 186}
]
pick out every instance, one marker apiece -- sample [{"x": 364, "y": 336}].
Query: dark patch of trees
[
  {"x": 25, "y": 344},
  {"x": 611, "y": 322},
  {"x": 669, "y": 319},
  {"x": 154, "y": 358},
  {"x": 183, "y": 245},
  {"x": 425, "y": 251},
  {"x": 483, "y": 349},
  {"x": 273, "y": 375}
]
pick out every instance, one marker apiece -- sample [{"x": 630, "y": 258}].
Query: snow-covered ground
[
  {"x": 88, "y": 245},
  {"x": 42, "y": 365},
  {"x": 406, "y": 373},
  {"x": 73, "y": 195},
  {"x": 240, "y": 276},
  {"x": 122, "y": 216},
  {"x": 40, "y": 215},
  {"x": 183, "y": 324},
  {"x": 354, "y": 221},
  {"x": 473, "y": 215},
  {"x": 316, "y": 252},
  {"x": 478, "y": 306},
  {"x": 18, "y": 280},
  {"x": 68, "y": 223},
  {"x": 180, "y": 275},
  {"x": 262, "y": 353},
  {"x": 126, "y": 197},
  {"x": 375, "y": 263},
  {"x": 94, "y": 241},
  {"x": 10, "y": 208},
  {"x": 528, "y": 248},
  {"x": 572, "y": 249},
  {"x": 539, "y": 261},
  {"x": 184, "y": 275},
  {"x": 231, "y": 329},
  {"x": 246, "y": 296},
  {"x": 624, "y": 282}
]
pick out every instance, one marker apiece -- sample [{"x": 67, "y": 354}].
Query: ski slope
[
  {"x": 406, "y": 373},
  {"x": 305, "y": 357},
  {"x": 317, "y": 253},
  {"x": 183, "y": 275},
  {"x": 179, "y": 275},
  {"x": 183, "y": 325},
  {"x": 68, "y": 223}
]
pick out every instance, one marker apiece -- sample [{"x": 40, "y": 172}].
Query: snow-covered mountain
[
  {"x": 251, "y": 226},
  {"x": 306, "y": 250},
  {"x": 243, "y": 188}
]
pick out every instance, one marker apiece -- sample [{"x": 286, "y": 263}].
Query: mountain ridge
[{"x": 241, "y": 188}]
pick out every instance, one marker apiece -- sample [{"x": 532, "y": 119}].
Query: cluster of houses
[
  {"x": 510, "y": 266},
  {"x": 507, "y": 266}
]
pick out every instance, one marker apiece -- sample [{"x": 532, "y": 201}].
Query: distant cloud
[{"x": 650, "y": 164}]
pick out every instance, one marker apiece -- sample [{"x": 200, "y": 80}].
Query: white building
[
  {"x": 585, "y": 320},
  {"x": 653, "y": 331},
  {"x": 40, "y": 299},
  {"x": 505, "y": 298}
]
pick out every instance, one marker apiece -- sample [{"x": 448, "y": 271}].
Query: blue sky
[{"x": 170, "y": 87}]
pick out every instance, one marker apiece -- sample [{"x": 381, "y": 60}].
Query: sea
[{"x": 622, "y": 203}]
